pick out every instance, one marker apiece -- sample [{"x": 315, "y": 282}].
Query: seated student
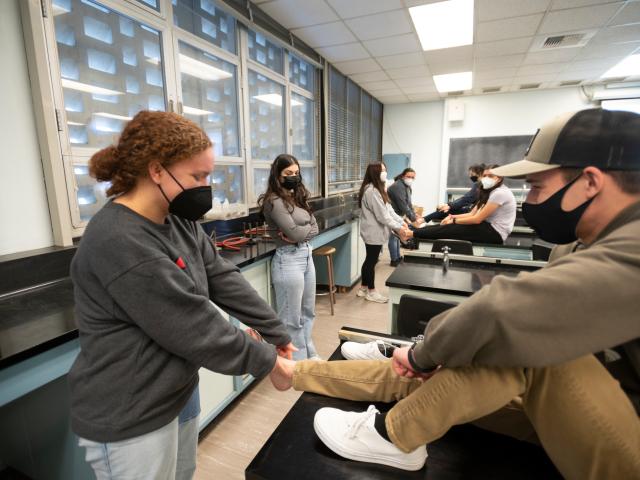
[
  {"x": 463, "y": 204},
  {"x": 400, "y": 199},
  {"x": 518, "y": 357},
  {"x": 490, "y": 221}
]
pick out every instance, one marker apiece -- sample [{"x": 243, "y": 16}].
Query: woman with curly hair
[{"x": 145, "y": 276}]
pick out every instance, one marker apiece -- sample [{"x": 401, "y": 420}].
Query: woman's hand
[
  {"x": 285, "y": 238},
  {"x": 405, "y": 234},
  {"x": 447, "y": 221},
  {"x": 287, "y": 350}
]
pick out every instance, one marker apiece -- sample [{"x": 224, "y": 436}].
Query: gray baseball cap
[{"x": 606, "y": 139}]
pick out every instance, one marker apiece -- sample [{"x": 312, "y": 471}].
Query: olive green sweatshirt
[{"x": 585, "y": 301}]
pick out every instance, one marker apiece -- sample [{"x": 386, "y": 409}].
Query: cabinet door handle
[
  {"x": 170, "y": 105},
  {"x": 180, "y": 109}
]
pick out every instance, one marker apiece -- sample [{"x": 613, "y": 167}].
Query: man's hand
[
  {"x": 287, "y": 350},
  {"x": 443, "y": 208},
  {"x": 403, "y": 368}
]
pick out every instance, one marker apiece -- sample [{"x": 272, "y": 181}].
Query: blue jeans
[
  {"x": 167, "y": 453},
  {"x": 394, "y": 247},
  {"x": 294, "y": 281}
]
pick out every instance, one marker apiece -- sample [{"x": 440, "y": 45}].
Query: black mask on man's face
[
  {"x": 190, "y": 203},
  {"x": 473, "y": 178},
  {"x": 552, "y": 223},
  {"x": 289, "y": 182}
]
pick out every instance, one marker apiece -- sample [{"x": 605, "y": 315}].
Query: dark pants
[
  {"x": 481, "y": 233},
  {"x": 369, "y": 265},
  {"x": 442, "y": 215}
]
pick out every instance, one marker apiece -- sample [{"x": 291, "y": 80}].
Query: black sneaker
[{"x": 395, "y": 263}]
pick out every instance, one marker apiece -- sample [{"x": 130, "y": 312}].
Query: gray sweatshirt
[
  {"x": 143, "y": 307},
  {"x": 296, "y": 223},
  {"x": 584, "y": 301},
  {"x": 377, "y": 218}
]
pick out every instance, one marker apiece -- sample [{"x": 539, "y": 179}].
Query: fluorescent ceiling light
[
  {"x": 616, "y": 93},
  {"x": 195, "y": 111},
  {"x": 628, "y": 67},
  {"x": 198, "y": 69},
  {"x": 444, "y": 24},
  {"x": 111, "y": 115},
  {"x": 85, "y": 87},
  {"x": 453, "y": 82},
  {"x": 275, "y": 99}
]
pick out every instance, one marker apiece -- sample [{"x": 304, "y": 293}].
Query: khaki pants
[{"x": 578, "y": 411}]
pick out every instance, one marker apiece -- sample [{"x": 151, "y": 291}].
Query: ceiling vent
[
  {"x": 529, "y": 86},
  {"x": 567, "y": 40},
  {"x": 491, "y": 89},
  {"x": 455, "y": 94},
  {"x": 570, "y": 83}
]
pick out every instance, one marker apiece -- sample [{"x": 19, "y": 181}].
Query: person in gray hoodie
[
  {"x": 377, "y": 219},
  {"x": 146, "y": 278}
]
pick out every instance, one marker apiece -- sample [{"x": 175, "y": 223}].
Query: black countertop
[
  {"x": 37, "y": 319},
  {"x": 462, "y": 278}
]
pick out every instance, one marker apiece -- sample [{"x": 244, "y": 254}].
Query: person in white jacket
[{"x": 377, "y": 218}]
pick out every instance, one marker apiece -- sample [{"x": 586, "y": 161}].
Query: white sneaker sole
[
  {"x": 340, "y": 450},
  {"x": 377, "y": 300},
  {"x": 360, "y": 293}
]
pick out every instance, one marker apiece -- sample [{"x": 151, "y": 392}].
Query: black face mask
[
  {"x": 473, "y": 178},
  {"x": 290, "y": 182},
  {"x": 190, "y": 203},
  {"x": 552, "y": 223}
]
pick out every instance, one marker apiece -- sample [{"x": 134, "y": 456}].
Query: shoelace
[{"x": 362, "y": 419}]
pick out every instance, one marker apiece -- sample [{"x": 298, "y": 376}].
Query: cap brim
[{"x": 522, "y": 168}]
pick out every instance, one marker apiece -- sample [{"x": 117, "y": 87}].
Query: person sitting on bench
[
  {"x": 490, "y": 221},
  {"x": 519, "y": 356}
]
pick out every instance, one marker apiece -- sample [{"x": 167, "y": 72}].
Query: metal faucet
[{"x": 445, "y": 259}]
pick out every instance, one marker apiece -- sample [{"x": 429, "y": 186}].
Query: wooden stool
[{"x": 328, "y": 252}]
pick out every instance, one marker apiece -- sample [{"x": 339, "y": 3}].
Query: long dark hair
[
  {"x": 478, "y": 169},
  {"x": 372, "y": 176},
  {"x": 300, "y": 197},
  {"x": 404, "y": 172},
  {"x": 483, "y": 195}
]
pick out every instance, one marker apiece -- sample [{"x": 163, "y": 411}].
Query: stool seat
[{"x": 324, "y": 251}]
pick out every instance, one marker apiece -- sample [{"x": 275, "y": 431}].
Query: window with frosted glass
[
  {"x": 265, "y": 52},
  {"x": 92, "y": 195},
  {"x": 260, "y": 181},
  {"x": 210, "y": 97},
  {"x": 301, "y": 73},
  {"x": 150, "y": 3},
  {"x": 310, "y": 179},
  {"x": 204, "y": 19},
  {"x": 227, "y": 182},
  {"x": 302, "y": 126},
  {"x": 110, "y": 68},
  {"x": 266, "y": 112}
]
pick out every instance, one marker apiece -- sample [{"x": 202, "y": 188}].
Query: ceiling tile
[
  {"x": 342, "y": 53},
  {"x": 382, "y": 85},
  {"x": 451, "y": 67},
  {"x": 490, "y": 63},
  {"x": 392, "y": 45},
  {"x": 369, "y": 77},
  {"x": 408, "y": 72},
  {"x": 357, "y": 66},
  {"x": 449, "y": 54},
  {"x": 629, "y": 14},
  {"x": 381, "y": 25},
  {"x": 325, "y": 35},
  {"x": 510, "y": 28},
  {"x": 294, "y": 14},
  {"x": 578, "y": 18},
  {"x": 594, "y": 64},
  {"x": 420, "y": 89},
  {"x": 575, "y": 74},
  {"x": 503, "y": 47},
  {"x": 626, "y": 33},
  {"x": 357, "y": 8},
  {"x": 533, "y": 79},
  {"x": 414, "y": 82},
  {"x": 415, "y": 3},
  {"x": 425, "y": 97},
  {"x": 562, "y": 4},
  {"x": 606, "y": 50},
  {"x": 547, "y": 68},
  {"x": 393, "y": 99},
  {"x": 402, "y": 60},
  {"x": 551, "y": 56},
  {"x": 387, "y": 92},
  {"x": 492, "y": 82},
  {"x": 495, "y": 9},
  {"x": 495, "y": 73}
]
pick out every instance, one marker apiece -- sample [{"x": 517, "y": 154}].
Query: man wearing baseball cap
[{"x": 552, "y": 355}]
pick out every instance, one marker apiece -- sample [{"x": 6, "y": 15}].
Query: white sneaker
[
  {"x": 375, "y": 297},
  {"x": 362, "y": 292},
  {"x": 366, "y": 351},
  {"x": 316, "y": 358},
  {"x": 353, "y": 435}
]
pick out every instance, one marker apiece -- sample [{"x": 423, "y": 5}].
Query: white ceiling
[{"x": 375, "y": 43}]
